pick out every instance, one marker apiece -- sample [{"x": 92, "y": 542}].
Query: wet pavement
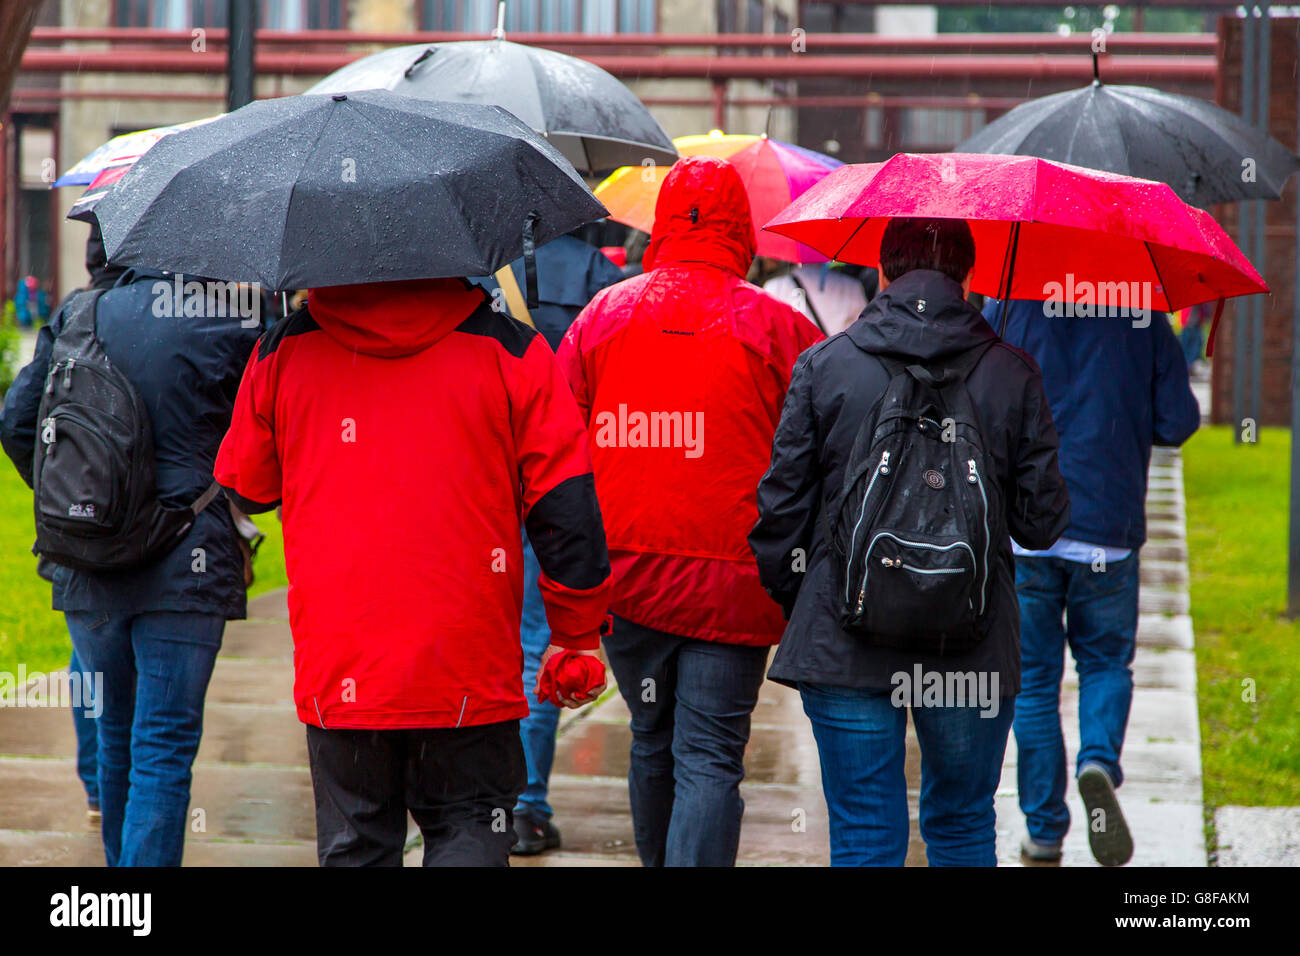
[{"x": 253, "y": 788}]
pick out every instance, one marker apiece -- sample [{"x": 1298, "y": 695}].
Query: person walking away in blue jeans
[
  {"x": 569, "y": 272},
  {"x": 153, "y": 632},
  {"x": 695, "y": 363},
  {"x": 857, "y": 688},
  {"x": 1117, "y": 384},
  {"x": 102, "y": 276}
]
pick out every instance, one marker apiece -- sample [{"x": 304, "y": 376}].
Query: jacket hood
[
  {"x": 922, "y": 315},
  {"x": 393, "y": 319},
  {"x": 702, "y": 215}
]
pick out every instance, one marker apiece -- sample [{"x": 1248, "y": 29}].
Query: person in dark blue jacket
[
  {"x": 153, "y": 633},
  {"x": 569, "y": 274},
  {"x": 1117, "y": 384}
]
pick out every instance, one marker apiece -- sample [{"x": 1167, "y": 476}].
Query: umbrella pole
[{"x": 1011, "y": 268}]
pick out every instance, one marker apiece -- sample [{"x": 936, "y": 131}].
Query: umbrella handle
[{"x": 530, "y": 261}]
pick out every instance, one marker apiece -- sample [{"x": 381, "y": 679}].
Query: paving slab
[{"x": 1258, "y": 836}]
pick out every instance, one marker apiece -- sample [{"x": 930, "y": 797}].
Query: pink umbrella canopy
[{"x": 1043, "y": 230}]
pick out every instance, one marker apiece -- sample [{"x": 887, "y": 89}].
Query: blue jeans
[
  {"x": 861, "y": 741},
  {"x": 155, "y": 670},
  {"x": 690, "y": 701},
  {"x": 87, "y": 734},
  {"x": 537, "y": 730},
  {"x": 1096, "y": 613}
]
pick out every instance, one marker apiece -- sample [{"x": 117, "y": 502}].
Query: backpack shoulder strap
[
  {"x": 205, "y": 499},
  {"x": 807, "y": 299},
  {"x": 79, "y": 313}
]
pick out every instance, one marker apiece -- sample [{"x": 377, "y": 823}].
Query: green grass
[
  {"x": 31, "y": 633},
  {"x": 1237, "y": 505}
]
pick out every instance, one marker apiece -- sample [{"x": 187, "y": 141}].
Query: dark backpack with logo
[
  {"x": 97, "y": 505},
  {"x": 916, "y": 527}
]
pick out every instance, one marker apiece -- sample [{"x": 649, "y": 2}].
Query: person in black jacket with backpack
[
  {"x": 153, "y": 631},
  {"x": 909, "y": 446}
]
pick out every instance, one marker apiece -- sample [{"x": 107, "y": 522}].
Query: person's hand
[{"x": 573, "y": 703}]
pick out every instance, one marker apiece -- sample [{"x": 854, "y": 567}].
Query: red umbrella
[{"x": 1043, "y": 230}]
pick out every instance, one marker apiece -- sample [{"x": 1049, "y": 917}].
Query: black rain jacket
[{"x": 834, "y": 387}]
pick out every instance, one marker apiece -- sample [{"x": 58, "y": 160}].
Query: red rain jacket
[
  {"x": 406, "y": 427},
  {"x": 681, "y": 374}
]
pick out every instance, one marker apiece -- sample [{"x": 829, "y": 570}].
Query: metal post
[
  {"x": 1242, "y": 311},
  {"x": 1293, "y": 548},
  {"x": 240, "y": 69},
  {"x": 1254, "y": 407}
]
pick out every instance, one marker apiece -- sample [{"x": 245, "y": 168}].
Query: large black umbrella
[
  {"x": 309, "y": 191},
  {"x": 1204, "y": 153},
  {"x": 587, "y": 114}
]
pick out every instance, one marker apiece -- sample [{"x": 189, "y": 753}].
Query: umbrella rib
[
  {"x": 382, "y": 131},
  {"x": 1159, "y": 278},
  {"x": 307, "y": 155}
]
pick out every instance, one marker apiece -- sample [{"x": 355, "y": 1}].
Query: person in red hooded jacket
[
  {"x": 681, "y": 373},
  {"x": 406, "y": 427}
]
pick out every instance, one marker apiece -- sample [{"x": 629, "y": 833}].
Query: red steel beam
[
  {"x": 1158, "y": 43},
  {"x": 954, "y": 66}
]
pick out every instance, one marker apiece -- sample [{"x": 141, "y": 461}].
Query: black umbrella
[
  {"x": 309, "y": 191},
  {"x": 587, "y": 114},
  {"x": 1204, "y": 153}
]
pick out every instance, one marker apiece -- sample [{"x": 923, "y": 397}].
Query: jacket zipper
[
  {"x": 979, "y": 482},
  {"x": 882, "y": 468}
]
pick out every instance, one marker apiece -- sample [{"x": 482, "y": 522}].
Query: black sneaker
[
  {"x": 534, "y": 835},
  {"x": 1108, "y": 835}
]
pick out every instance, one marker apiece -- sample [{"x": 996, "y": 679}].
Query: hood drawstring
[{"x": 530, "y": 261}]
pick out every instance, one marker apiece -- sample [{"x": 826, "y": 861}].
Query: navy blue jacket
[
  {"x": 1115, "y": 390},
  {"x": 569, "y": 274},
  {"x": 186, "y": 370}
]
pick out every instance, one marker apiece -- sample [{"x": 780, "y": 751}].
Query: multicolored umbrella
[
  {"x": 125, "y": 148},
  {"x": 1043, "y": 230},
  {"x": 774, "y": 173}
]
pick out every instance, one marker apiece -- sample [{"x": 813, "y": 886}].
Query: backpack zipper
[
  {"x": 881, "y": 469},
  {"x": 866, "y": 565},
  {"x": 974, "y": 477}
]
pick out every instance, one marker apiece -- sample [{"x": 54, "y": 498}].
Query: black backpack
[
  {"x": 917, "y": 524},
  {"x": 97, "y": 506}
]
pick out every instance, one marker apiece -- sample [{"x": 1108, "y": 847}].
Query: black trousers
[{"x": 458, "y": 783}]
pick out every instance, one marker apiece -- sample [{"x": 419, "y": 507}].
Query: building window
[
  {"x": 187, "y": 14},
  {"x": 541, "y": 16}
]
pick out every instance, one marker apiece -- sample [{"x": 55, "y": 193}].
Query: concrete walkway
[{"x": 253, "y": 788}]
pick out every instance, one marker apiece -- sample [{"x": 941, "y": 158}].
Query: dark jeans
[
  {"x": 690, "y": 701},
  {"x": 87, "y": 734},
  {"x": 459, "y": 783},
  {"x": 156, "y": 669},
  {"x": 1096, "y": 613},
  {"x": 537, "y": 729},
  {"x": 862, "y": 744}
]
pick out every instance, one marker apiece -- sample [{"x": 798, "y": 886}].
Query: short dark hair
[{"x": 945, "y": 245}]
